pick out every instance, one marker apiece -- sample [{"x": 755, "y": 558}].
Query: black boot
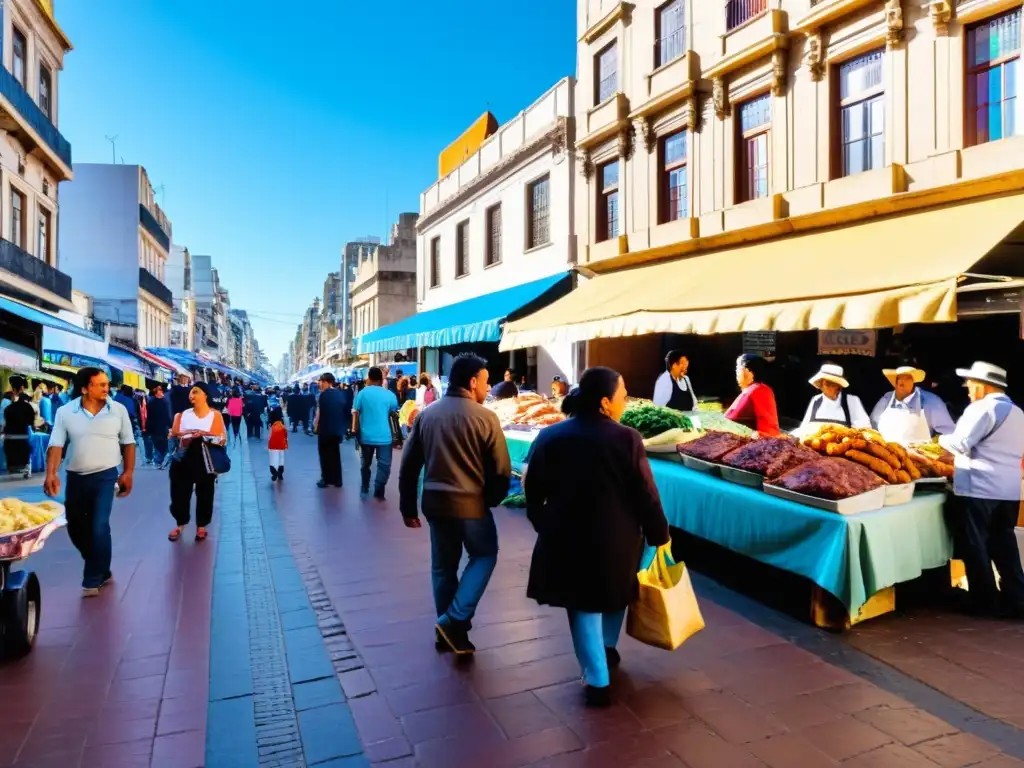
[
  {"x": 274, "y": 474},
  {"x": 280, "y": 472}
]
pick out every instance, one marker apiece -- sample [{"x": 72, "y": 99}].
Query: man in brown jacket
[{"x": 460, "y": 445}]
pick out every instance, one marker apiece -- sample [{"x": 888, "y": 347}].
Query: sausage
[
  {"x": 911, "y": 466},
  {"x": 883, "y": 453},
  {"x": 899, "y": 451},
  {"x": 875, "y": 464},
  {"x": 838, "y": 449},
  {"x": 902, "y": 476}
]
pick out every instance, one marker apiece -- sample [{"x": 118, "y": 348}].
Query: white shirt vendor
[
  {"x": 909, "y": 414},
  {"x": 94, "y": 442},
  {"x": 833, "y": 405},
  {"x": 673, "y": 388},
  {"x": 988, "y": 446}
]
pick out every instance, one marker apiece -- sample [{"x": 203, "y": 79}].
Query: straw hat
[
  {"x": 984, "y": 372},
  {"x": 904, "y": 370},
  {"x": 829, "y": 372}
]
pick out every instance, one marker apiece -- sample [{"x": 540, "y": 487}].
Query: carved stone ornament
[
  {"x": 779, "y": 71},
  {"x": 720, "y": 97},
  {"x": 649, "y": 134},
  {"x": 893, "y": 23},
  {"x": 559, "y": 140},
  {"x": 627, "y": 141},
  {"x": 940, "y": 11},
  {"x": 586, "y": 164},
  {"x": 691, "y": 113},
  {"x": 814, "y": 55}
]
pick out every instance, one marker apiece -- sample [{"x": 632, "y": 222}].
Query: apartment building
[
  {"x": 34, "y": 157},
  {"x": 384, "y": 290},
  {"x": 791, "y": 127},
  {"x": 114, "y": 243},
  {"x": 178, "y": 278},
  {"x": 354, "y": 254},
  {"x": 331, "y": 312}
]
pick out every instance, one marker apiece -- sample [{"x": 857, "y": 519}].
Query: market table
[
  {"x": 37, "y": 452},
  {"x": 856, "y": 558}
]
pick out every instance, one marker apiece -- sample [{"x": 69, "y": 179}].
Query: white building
[
  {"x": 114, "y": 243},
  {"x": 501, "y": 219},
  {"x": 178, "y": 277},
  {"x": 34, "y": 157}
]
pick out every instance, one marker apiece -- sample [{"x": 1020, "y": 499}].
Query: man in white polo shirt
[{"x": 99, "y": 436}]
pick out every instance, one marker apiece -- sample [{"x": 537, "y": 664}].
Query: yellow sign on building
[{"x": 460, "y": 150}]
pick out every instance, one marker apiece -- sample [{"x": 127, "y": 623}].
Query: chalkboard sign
[{"x": 759, "y": 343}]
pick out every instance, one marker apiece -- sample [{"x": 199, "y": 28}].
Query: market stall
[{"x": 856, "y": 558}]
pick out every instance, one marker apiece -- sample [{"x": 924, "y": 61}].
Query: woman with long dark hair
[
  {"x": 200, "y": 423},
  {"x": 591, "y": 497},
  {"x": 755, "y": 407}
]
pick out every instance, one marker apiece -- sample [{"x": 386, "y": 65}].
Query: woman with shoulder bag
[{"x": 201, "y": 434}]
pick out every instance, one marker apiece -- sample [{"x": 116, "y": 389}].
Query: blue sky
[{"x": 280, "y": 134}]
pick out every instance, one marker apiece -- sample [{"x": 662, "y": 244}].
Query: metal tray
[
  {"x": 931, "y": 484},
  {"x": 898, "y": 494},
  {"x": 742, "y": 477},
  {"x": 669, "y": 448},
  {"x": 864, "y": 502},
  {"x": 701, "y": 466}
]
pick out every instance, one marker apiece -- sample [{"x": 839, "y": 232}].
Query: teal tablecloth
[{"x": 851, "y": 556}]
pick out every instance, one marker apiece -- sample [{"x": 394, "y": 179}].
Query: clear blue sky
[{"x": 280, "y": 134}]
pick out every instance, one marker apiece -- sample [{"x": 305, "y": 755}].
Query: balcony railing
[
  {"x": 739, "y": 12},
  {"x": 151, "y": 225},
  {"x": 15, "y": 93},
  {"x": 669, "y": 48},
  {"x": 149, "y": 283},
  {"x": 20, "y": 262}
]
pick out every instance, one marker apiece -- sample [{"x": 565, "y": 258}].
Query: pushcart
[{"x": 20, "y": 593}]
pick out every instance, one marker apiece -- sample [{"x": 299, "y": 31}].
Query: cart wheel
[{"x": 19, "y": 617}]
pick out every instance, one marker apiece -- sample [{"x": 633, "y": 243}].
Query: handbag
[
  {"x": 397, "y": 438},
  {"x": 666, "y": 613},
  {"x": 216, "y": 459}
]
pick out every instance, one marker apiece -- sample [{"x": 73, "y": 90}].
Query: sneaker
[
  {"x": 378, "y": 495},
  {"x": 107, "y": 579},
  {"x": 364, "y": 493},
  {"x": 456, "y": 639},
  {"x": 597, "y": 697},
  {"x": 439, "y": 643},
  {"x": 614, "y": 659},
  {"x": 321, "y": 484},
  {"x": 90, "y": 591}
]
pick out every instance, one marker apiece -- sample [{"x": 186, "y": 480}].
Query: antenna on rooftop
[{"x": 113, "y": 147}]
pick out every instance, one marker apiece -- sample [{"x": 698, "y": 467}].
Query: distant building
[
  {"x": 178, "y": 277},
  {"x": 114, "y": 243},
  {"x": 331, "y": 311},
  {"x": 355, "y": 253}
]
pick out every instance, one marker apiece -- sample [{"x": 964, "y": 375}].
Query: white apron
[{"x": 903, "y": 425}]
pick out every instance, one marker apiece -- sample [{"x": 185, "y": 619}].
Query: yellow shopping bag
[{"x": 666, "y": 613}]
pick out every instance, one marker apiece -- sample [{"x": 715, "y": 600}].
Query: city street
[{"x": 320, "y": 652}]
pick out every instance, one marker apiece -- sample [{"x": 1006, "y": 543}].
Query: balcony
[
  {"x": 21, "y": 116},
  {"x": 739, "y": 12},
  {"x": 151, "y": 285},
  {"x": 605, "y": 120},
  {"x": 151, "y": 225},
  {"x": 24, "y": 265}
]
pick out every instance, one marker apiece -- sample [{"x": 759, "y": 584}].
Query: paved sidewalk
[{"x": 739, "y": 694}]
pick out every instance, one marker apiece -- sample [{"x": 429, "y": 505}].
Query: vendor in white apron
[
  {"x": 833, "y": 405},
  {"x": 909, "y": 414},
  {"x": 673, "y": 388}
]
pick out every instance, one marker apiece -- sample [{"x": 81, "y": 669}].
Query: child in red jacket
[{"x": 277, "y": 444}]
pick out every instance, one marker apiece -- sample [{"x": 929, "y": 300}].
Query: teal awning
[{"x": 466, "y": 322}]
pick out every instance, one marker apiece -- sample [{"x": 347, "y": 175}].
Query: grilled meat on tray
[
  {"x": 829, "y": 478},
  {"x": 770, "y": 456},
  {"x": 713, "y": 446}
]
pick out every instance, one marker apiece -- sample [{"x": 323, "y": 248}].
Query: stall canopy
[
  {"x": 473, "y": 320},
  {"x": 882, "y": 273},
  {"x": 164, "y": 362},
  {"x": 43, "y": 318},
  {"x": 127, "y": 361}
]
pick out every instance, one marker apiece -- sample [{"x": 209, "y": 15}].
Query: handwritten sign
[
  {"x": 847, "y": 342},
  {"x": 759, "y": 343}
]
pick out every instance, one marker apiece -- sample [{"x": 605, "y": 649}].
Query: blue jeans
[
  {"x": 156, "y": 448},
  {"x": 384, "y": 453},
  {"x": 591, "y": 634},
  {"x": 456, "y": 599},
  {"x": 88, "y": 500},
  {"x": 147, "y": 446},
  {"x": 172, "y": 446}
]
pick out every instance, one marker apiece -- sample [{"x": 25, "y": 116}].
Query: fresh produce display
[
  {"x": 17, "y": 515},
  {"x": 890, "y": 461},
  {"x": 651, "y": 420},
  {"x": 829, "y": 478},
  {"x": 716, "y": 421},
  {"x": 671, "y": 438},
  {"x": 713, "y": 446},
  {"x": 528, "y": 409},
  {"x": 769, "y": 456},
  {"x": 710, "y": 406}
]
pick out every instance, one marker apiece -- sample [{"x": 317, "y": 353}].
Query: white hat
[
  {"x": 829, "y": 372},
  {"x": 904, "y": 370},
  {"x": 984, "y": 372}
]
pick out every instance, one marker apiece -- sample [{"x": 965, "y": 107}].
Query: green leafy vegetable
[{"x": 651, "y": 420}]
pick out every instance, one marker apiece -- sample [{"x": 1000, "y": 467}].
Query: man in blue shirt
[
  {"x": 329, "y": 424},
  {"x": 988, "y": 446},
  {"x": 371, "y": 422}
]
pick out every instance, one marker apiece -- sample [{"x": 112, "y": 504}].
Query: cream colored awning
[{"x": 877, "y": 274}]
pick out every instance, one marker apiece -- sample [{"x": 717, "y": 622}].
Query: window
[
  {"x": 739, "y": 12},
  {"x": 861, "y": 114},
  {"x": 671, "y": 25},
  {"x": 755, "y": 123},
  {"x": 435, "y": 262},
  {"x": 608, "y": 201},
  {"x": 538, "y": 213},
  {"x": 606, "y": 73},
  {"x": 17, "y": 218},
  {"x": 674, "y": 201},
  {"x": 993, "y": 65},
  {"x": 20, "y": 56},
  {"x": 45, "y": 86},
  {"x": 493, "y": 254},
  {"x": 43, "y": 246},
  {"x": 462, "y": 249}
]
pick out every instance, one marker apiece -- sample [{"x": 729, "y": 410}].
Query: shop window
[
  {"x": 493, "y": 253},
  {"x": 462, "y": 248},
  {"x": 861, "y": 132},
  {"x": 538, "y": 225},
  {"x": 993, "y": 67},
  {"x": 608, "y": 201},
  {"x": 671, "y": 32},
  {"x": 435, "y": 262},
  {"x": 755, "y": 124},
  {"x": 673, "y": 191},
  {"x": 606, "y": 73}
]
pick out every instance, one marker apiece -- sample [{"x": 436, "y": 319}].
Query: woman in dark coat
[{"x": 591, "y": 497}]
